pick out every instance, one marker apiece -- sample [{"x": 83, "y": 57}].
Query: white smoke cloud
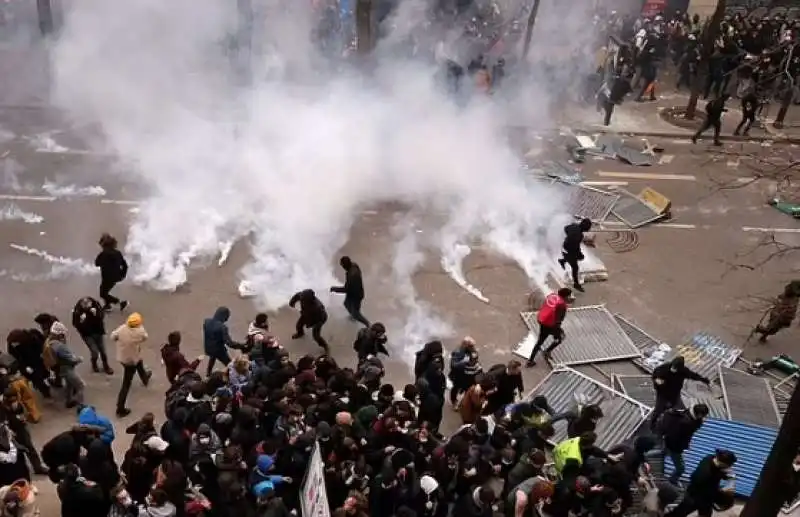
[
  {"x": 288, "y": 154},
  {"x": 12, "y": 212},
  {"x": 61, "y": 267}
]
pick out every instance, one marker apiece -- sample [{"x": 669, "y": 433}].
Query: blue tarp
[{"x": 750, "y": 443}]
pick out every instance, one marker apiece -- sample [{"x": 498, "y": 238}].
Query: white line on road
[
  {"x": 676, "y": 226},
  {"x": 605, "y": 183},
  {"x": 666, "y": 159},
  {"x": 771, "y": 230},
  {"x": 13, "y": 197},
  {"x": 646, "y": 176},
  {"x": 119, "y": 202}
]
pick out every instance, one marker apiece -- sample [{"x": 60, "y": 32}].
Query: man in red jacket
[{"x": 550, "y": 316}]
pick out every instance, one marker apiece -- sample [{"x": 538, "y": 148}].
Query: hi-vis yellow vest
[{"x": 568, "y": 449}]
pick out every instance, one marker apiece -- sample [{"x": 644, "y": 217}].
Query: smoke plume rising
[{"x": 271, "y": 140}]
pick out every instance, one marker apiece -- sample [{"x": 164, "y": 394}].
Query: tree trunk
[
  {"x": 772, "y": 487},
  {"x": 364, "y": 26},
  {"x": 709, "y": 37},
  {"x": 529, "y": 28}
]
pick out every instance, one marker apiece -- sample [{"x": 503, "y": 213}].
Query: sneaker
[
  {"x": 579, "y": 288},
  {"x": 108, "y": 370},
  {"x": 123, "y": 412},
  {"x": 297, "y": 335},
  {"x": 123, "y": 305}
]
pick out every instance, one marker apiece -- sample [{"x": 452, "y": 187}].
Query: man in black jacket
[
  {"x": 87, "y": 318},
  {"x": 704, "y": 485},
  {"x": 714, "y": 111},
  {"x": 677, "y": 429},
  {"x": 668, "y": 380},
  {"x": 571, "y": 252},
  {"x": 353, "y": 290},
  {"x": 312, "y": 315},
  {"x": 113, "y": 269}
]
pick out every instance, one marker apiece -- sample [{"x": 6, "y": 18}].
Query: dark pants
[
  {"x": 38, "y": 376},
  {"x": 544, "y": 333},
  {"x": 689, "y": 505},
  {"x": 316, "y": 330},
  {"x": 23, "y": 436},
  {"x": 662, "y": 404},
  {"x": 748, "y": 118},
  {"x": 709, "y": 123},
  {"x": 461, "y": 383},
  {"x": 224, "y": 358},
  {"x": 573, "y": 262},
  {"x": 97, "y": 349},
  {"x": 127, "y": 378},
  {"x": 105, "y": 292},
  {"x": 677, "y": 463},
  {"x": 353, "y": 308}
]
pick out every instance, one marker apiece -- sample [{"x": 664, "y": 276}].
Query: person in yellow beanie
[{"x": 129, "y": 339}]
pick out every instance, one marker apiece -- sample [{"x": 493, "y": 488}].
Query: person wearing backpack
[
  {"x": 58, "y": 356},
  {"x": 550, "y": 317}
]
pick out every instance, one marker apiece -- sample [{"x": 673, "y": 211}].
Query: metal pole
[{"x": 529, "y": 28}]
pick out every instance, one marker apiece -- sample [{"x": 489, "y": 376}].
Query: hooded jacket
[
  {"x": 678, "y": 427},
  {"x": 89, "y": 321},
  {"x": 89, "y": 416},
  {"x": 312, "y": 310},
  {"x": 261, "y": 474},
  {"x": 113, "y": 267},
  {"x": 216, "y": 337},
  {"x": 129, "y": 338}
]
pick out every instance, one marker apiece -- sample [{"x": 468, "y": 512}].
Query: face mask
[
  {"x": 507, "y": 462},
  {"x": 204, "y": 440}
]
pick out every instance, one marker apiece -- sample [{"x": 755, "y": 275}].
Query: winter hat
[
  {"x": 428, "y": 484},
  {"x": 58, "y": 329},
  {"x": 134, "y": 320}
]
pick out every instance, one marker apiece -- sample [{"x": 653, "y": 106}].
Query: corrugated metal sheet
[
  {"x": 703, "y": 353},
  {"x": 593, "y": 335},
  {"x": 622, "y": 415},
  {"x": 634, "y": 212},
  {"x": 749, "y": 399},
  {"x": 586, "y": 202},
  {"x": 639, "y": 337},
  {"x": 750, "y": 443},
  {"x": 782, "y": 402},
  {"x": 640, "y": 388}
]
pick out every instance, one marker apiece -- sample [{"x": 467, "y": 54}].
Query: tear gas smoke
[
  {"x": 291, "y": 156},
  {"x": 62, "y": 267},
  {"x": 12, "y": 212},
  {"x": 68, "y": 191}
]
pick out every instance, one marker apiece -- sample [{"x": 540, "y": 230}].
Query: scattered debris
[
  {"x": 646, "y": 208},
  {"x": 622, "y": 241},
  {"x": 792, "y": 209}
]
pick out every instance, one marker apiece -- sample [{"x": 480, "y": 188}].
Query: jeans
[
  {"x": 677, "y": 462},
  {"x": 105, "y": 292},
  {"x": 353, "y": 308},
  {"x": 73, "y": 386},
  {"x": 224, "y": 358},
  {"x": 97, "y": 349},
  {"x": 127, "y": 379}
]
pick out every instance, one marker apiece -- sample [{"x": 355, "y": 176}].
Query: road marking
[
  {"x": 666, "y": 159},
  {"x": 771, "y": 230},
  {"x": 13, "y": 197},
  {"x": 676, "y": 226},
  {"x": 119, "y": 202},
  {"x": 646, "y": 176},
  {"x": 604, "y": 183}
]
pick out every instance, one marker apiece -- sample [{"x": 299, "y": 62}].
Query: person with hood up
[
  {"x": 677, "y": 427},
  {"x": 465, "y": 367},
  {"x": 18, "y": 500},
  {"x": 668, "y": 379},
  {"x": 571, "y": 252},
  {"x": 26, "y": 347},
  {"x": 371, "y": 341},
  {"x": 431, "y": 499},
  {"x": 87, "y": 318},
  {"x": 89, "y": 418},
  {"x": 714, "y": 110},
  {"x": 64, "y": 361},
  {"x": 174, "y": 360},
  {"x": 217, "y": 339},
  {"x": 263, "y": 472},
  {"x": 551, "y": 318},
  {"x": 157, "y": 504},
  {"x": 79, "y": 496},
  {"x": 312, "y": 315},
  {"x": 353, "y": 290},
  {"x": 113, "y": 269},
  {"x": 431, "y": 351},
  {"x": 129, "y": 338},
  {"x": 205, "y": 442}
]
